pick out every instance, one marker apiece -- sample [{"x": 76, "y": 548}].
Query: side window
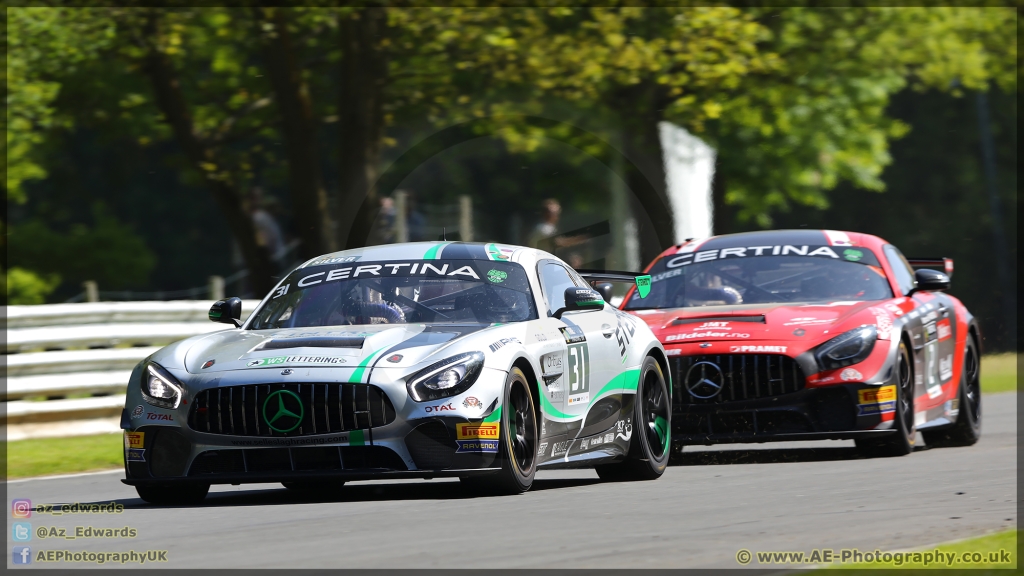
[
  {"x": 902, "y": 272},
  {"x": 554, "y": 279}
]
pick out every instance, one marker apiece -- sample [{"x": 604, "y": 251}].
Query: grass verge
[
  {"x": 990, "y": 551},
  {"x": 999, "y": 372},
  {"x": 44, "y": 456}
]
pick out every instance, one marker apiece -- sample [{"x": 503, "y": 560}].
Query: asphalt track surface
[{"x": 709, "y": 505}]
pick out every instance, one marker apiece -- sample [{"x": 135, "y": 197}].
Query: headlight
[
  {"x": 448, "y": 377},
  {"x": 847, "y": 348},
  {"x": 159, "y": 388}
]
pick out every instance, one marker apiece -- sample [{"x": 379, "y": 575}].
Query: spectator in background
[
  {"x": 415, "y": 220},
  {"x": 268, "y": 231},
  {"x": 385, "y": 229},
  {"x": 545, "y": 234}
]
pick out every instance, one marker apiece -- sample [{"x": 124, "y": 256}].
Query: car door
[
  {"x": 591, "y": 352},
  {"x": 931, "y": 329}
]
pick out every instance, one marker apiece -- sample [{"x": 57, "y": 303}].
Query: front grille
[
  {"x": 745, "y": 377},
  {"x": 306, "y": 459},
  {"x": 326, "y": 409}
]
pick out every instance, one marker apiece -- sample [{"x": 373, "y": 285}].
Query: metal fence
[{"x": 68, "y": 364}]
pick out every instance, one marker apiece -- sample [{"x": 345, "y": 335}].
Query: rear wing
[
  {"x": 594, "y": 277},
  {"x": 944, "y": 264}
]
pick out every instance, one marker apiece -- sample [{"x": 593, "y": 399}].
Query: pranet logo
[{"x": 283, "y": 411}]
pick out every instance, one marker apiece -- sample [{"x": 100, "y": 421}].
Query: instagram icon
[{"x": 21, "y": 508}]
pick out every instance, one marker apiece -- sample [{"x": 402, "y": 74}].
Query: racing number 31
[{"x": 579, "y": 373}]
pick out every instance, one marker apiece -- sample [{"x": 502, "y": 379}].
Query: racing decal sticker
[
  {"x": 850, "y": 374},
  {"x": 836, "y": 238},
  {"x": 551, "y": 364},
  {"x": 496, "y": 276},
  {"x": 609, "y": 438},
  {"x": 136, "y": 455},
  {"x": 708, "y": 334},
  {"x": 799, "y": 332},
  {"x": 883, "y": 322},
  {"x": 542, "y": 448},
  {"x": 475, "y": 430},
  {"x": 394, "y": 358},
  {"x": 324, "y": 360},
  {"x": 439, "y": 408},
  {"x": 334, "y": 260},
  {"x": 134, "y": 439},
  {"x": 573, "y": 334},
  {"x": 643, "y": 285},
  {"x": 946, "y": 367},
  {"x": 137, "y": 412},
  {"x": 465, "y": 446},
  {"x": 579, "y": 373},
  {"x": 879, "y": 400},
  {"x": 775, "y": 349},
  {"x": 501, "y": 343},
  {"x": 945, "y": 329},
  {"x": 807, "y": 321},
  {"x": 625, "y": 328},
  {"x": 624, "y": 429},
  {"x": 559, "y": 448},
  {"x": 853, "y": 255},
  {"x": 495, "y": 252},
  {"x": 754, "y": 251},
  {"x": 472, "y": 403}
]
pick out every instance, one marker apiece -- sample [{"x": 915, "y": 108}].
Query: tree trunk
[
  {"x": 363, "y": 72},
  {"x": 639, "y": 107},
  {"x": 305, "y": 179},
  {"x": 171, "y": 101}
]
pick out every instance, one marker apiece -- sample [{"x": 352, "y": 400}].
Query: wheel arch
[
  {"x": 659, "y": 356},
  {"x": 524, "y": 364}
]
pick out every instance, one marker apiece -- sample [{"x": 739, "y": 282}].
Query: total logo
[
  {"x": 439, "y": 408},
  {"x": 166, "y": 417}
]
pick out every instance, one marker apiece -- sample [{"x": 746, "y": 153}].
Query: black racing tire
[
  {"x": 966, "y": 431},
  {"x": 901, "y": 442},
  {"x": 517, "y": 444},
  {"x": 651, "y": 444},
  {"x": 182, "y": 494},
  {"x": 313, "y": 486}
]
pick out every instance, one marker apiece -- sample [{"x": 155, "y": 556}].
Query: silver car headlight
[
  {"x": 159, "y": 388},
  {"x": 848, "y": 348},
  {"x": 448, "y": 377}
]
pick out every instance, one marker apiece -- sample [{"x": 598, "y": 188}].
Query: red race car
[{"x": 811, "y": 335}]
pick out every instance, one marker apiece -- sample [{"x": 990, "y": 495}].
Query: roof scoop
[
  {"x": 752, "y": 318},
  {"x": 311, "y": 342}
]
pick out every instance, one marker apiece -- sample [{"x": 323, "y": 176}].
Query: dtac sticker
[
  {"x": 468, "y": 431},
  {"x": 643, "y": 285}
]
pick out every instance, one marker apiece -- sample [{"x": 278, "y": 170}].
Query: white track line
[{"x": 62, "y": 476}]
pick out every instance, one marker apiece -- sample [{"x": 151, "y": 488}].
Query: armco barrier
[{"x": 68, "y": 364}]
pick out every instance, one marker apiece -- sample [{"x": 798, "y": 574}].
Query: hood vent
[
  {"x": 311, "y": 342},
  {"x": 757, "y": 318}
]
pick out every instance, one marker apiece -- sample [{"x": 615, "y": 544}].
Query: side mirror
[
  {"x": 227, "y": 311},
  {"x": 580, "y": 299},
  {"x": 605, "y": 288},
  {"x": 930, "y": 280}
]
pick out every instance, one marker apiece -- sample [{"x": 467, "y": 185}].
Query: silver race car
[{"x": 484, "y": 362}]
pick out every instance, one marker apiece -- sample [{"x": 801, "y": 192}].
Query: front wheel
[
  {"x": 901, "y": 442},
  {"x": 650, "y": 446},
  {"x": 517, "y": 445},
  {"x": 173, "y": 495},
  {"x": 967, "y": 429}
]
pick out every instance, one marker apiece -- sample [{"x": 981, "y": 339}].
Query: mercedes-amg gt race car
[
  {"x": 811, "y": 334},
  {"x": 478, "y": 361}
]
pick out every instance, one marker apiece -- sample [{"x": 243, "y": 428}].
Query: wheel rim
[
  {"x": 972, "y": 389},
  {"x": 656, "y": 414},
  {"x": 521, "y": 428},
  {"x": 906, "y": 391}
]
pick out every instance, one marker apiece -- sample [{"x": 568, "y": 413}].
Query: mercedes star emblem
[{"x": 704, "y": 380}]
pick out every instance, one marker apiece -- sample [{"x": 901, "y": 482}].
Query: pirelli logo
[
  {"x": 877, "y": 395},
  {"x": 134, "y": 439},
  {"x": 484, "y": 430}
]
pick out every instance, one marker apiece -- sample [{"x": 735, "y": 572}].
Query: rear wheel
[
  {"x": 173, "y": 495},
  {"x": 517, "y": 445},
  {"x": 967, "y": 428},
  {"x": 901, "y": 442},
  {"x": 649, "y": 448}
]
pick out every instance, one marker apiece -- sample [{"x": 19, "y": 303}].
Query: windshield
[
  {"x": 748, "y": 276},
  {"x": 399, "y": 292}
]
